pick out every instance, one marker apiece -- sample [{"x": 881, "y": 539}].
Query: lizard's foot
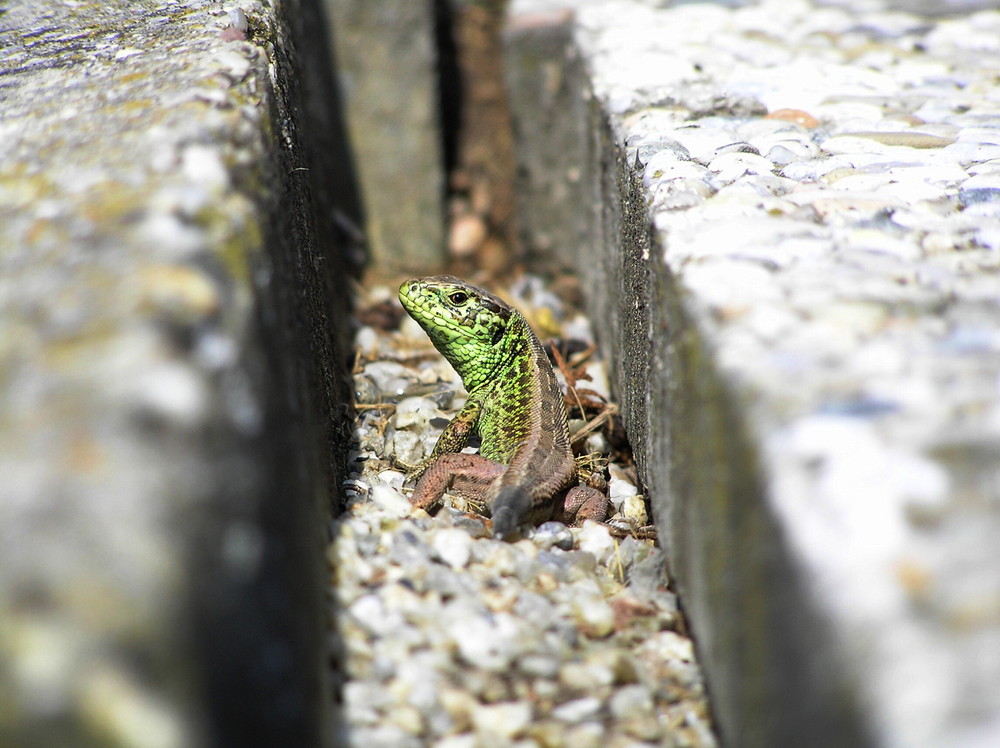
[
  {"x": 469, "y": 476},
  {"x": 624, "y": 529},
  {"x": 584, "y": 502},
  {"x": 411, "y": 471},
  {"x": 591, "y": 470}
]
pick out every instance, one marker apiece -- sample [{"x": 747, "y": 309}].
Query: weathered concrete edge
[
  {"x": 304, "y": 337},
  {"x": 237, "y": 652},
  {"x": 772, "y": 681}
]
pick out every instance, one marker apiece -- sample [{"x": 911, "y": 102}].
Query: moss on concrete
[{"x": 171, "y": 428}]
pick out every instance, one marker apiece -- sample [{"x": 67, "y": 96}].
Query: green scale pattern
[{"x": 491, "y": 347}]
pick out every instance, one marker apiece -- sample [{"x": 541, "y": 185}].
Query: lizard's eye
[{"x": 459, "y": 297}]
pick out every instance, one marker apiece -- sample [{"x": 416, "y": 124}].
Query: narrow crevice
[{"x": 450, "y": 98}]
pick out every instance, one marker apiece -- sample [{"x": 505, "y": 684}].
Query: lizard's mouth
[{"x": 428, "y": 310}]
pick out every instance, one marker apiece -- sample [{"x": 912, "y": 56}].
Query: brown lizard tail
[{"x": 509, "y": 508}]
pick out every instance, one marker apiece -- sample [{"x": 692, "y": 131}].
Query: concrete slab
[
  {"x": 786, "y": 224},
  {"x": 386, "y": 58},
  {"x": 170, "y": 418}
]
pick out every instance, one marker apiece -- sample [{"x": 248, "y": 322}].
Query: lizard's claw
[{"x": 620, "y": 528}]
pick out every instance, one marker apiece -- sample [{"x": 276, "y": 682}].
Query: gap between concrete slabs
[{"x": 801, "y": 310}]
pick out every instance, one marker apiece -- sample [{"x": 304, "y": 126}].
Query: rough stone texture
[
  {"x": 170, "y": 423},
  {"x": 550, "y": 133},
  {"x": 385, "y": 54},
  {"x": 806, "y": 339}
]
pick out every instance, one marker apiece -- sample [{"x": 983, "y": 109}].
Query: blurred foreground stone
[
  {"x": 788, "y": 221},
  {"x": 170, "y": 401}
]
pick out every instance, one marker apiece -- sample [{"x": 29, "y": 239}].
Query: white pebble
[
  {"x": 488, "y": 643},
  {"x": 390, "y": 500},
  {"x": 594, "y": 616},
  {"x": 203, "y": 165},
  {"x": 578, "y": 710},
  {"x": 457, "y": 741},
  {"x": 415, "y": 411},
  {"x": 596, "y": 540},
  {"x": 731, "y": 166},
  {"x": 454, "y": 546},
  {"x": 367, "y": 340},
  {"x": 634, "y": 507},
  {"x": 503, "y": 720},
  {"x": 175, "y": 392},
  {"x": 619, "y": 488},
  {"x": 631, "y": 702}
]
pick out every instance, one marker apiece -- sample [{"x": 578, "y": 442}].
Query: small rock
[
  {"x": 181, "y": 293},
  {"x": 619, "y": 488},
  {"x": 632, "y": 706},
  {"x": 905, "y": 139},
  {"x": 382, "y": 736},
  {"x": 371, "y": 614},
  {"x": 504, "y": 720},
  {"x": 630, "y": 702},
  {"x": 415, "y": 412},
  {"x": 408, "y": 549},
  {"x": 634, "y": 509},
  {"x": 797, "y": 116},
  {"x": 491, "y": 643},
  {"x": 664, "y": 171},
  {"x": 238, "y": 19},
  {"x": 203, "y": 164},
  {"x": 390, "y": 377},
  {"x": 592, "y": 614},
  {"x": 390, "y": 500},
  {"x": 453, "y": 546},
  {"x": 457, "y": 741},
  {"x": 579, "y": 710},
  {"x": 365, "y": 389},
  {"x": 466, "y": 235},
  {"x": 587, "y": 735},
  {"x": 596, "y": 540},
  {"x": 539, "y": 665},
  {"x": 392, "y": 478},
  {"x": 649, "y": 575},
  {"x": 552, "y": 535},
  {"x": 406, "y": 718},
  {"x": 669, "y": 646},
  {"x": 460, "y": 706},
  {"x": 409, "y": 447}
]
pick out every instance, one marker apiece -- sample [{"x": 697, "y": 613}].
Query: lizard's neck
[{"x": 513, "y": 355}]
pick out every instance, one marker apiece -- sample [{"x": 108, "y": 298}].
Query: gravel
[{"x": 447, "y": 637}]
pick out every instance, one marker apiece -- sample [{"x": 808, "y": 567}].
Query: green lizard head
[{"x": 467, "y": 324}]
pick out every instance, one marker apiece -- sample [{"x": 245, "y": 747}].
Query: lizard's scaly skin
[{"x": 515, "y": 405}]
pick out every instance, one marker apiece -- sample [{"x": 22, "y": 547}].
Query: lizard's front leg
[
  {"x": 469, "y": 476},
  {"x": 454, "y": 438}
]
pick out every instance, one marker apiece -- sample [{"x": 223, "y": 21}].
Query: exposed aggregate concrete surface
[
  {"x": 159, "y": 557},
  {"x": 822, "y": 184}
]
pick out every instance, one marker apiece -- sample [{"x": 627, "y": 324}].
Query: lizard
[{"x": 525, "y": 470}]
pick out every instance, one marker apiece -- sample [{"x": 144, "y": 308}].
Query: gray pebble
[{"x": 552, "y": 534}]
